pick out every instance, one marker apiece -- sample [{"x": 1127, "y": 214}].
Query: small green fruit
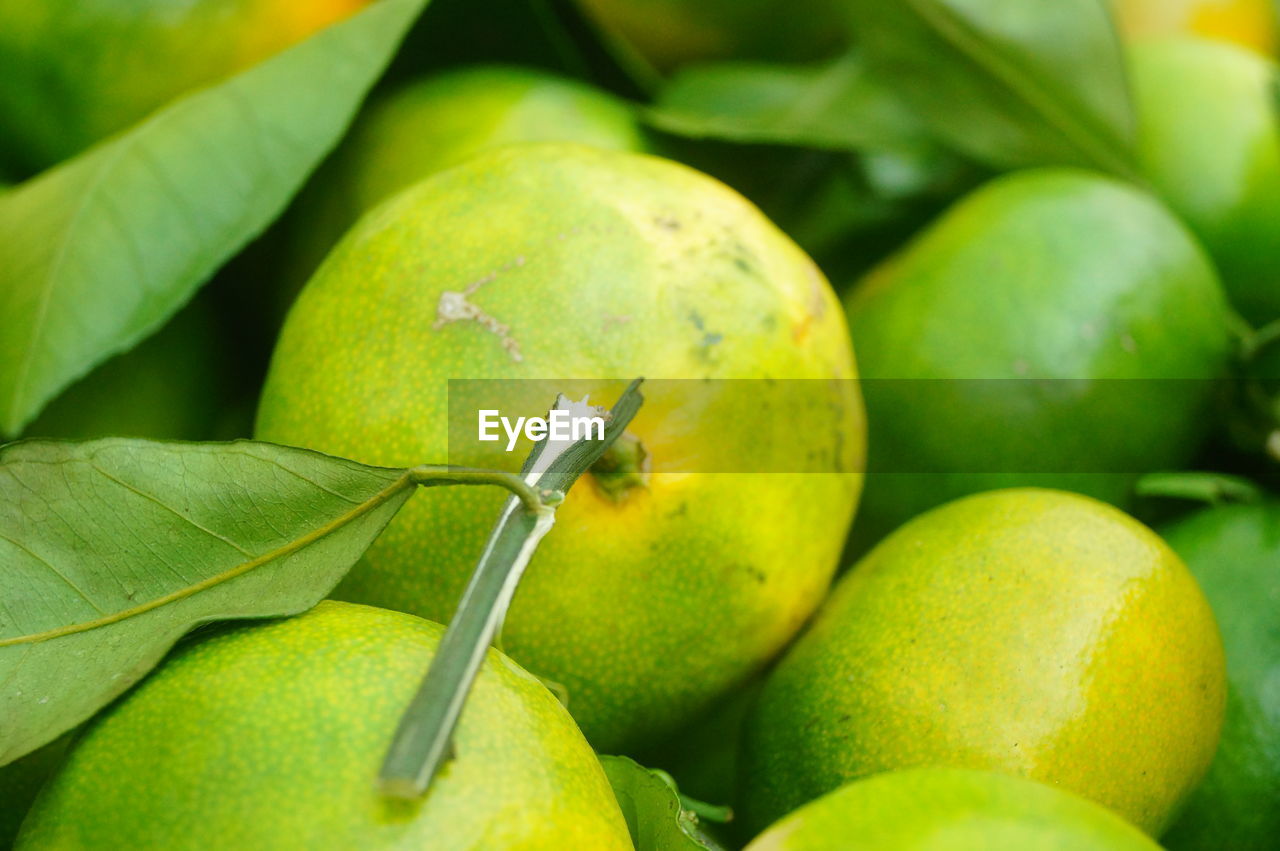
[
  {"x": 1037, "y": 633},
  {"x": 1037, "y": 277},
  {"x": 271, "y": 736},
  {"x": 440, "y": 121},
  {"x": 947, "y": 809},
  {"x": 574, "y": 263},
  {"x": 1235, "y": 554},
  {"x": 1210, "y": 145}
]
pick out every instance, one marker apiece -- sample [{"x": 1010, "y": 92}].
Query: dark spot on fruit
[{"x": 696, "y": 319}]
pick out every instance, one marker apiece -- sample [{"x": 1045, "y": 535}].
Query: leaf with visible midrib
[
  {"x": 100, "y": 251},
  {"x": 111, "y": 550},
  {"x": 1009, "y": 82},
  {"x": 835, "y": 105}
]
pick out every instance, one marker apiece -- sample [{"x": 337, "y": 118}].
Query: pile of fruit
[{"x": 1001, "y": 570}]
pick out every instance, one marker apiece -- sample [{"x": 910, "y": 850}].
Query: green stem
[
  {"x": 435, "y": 474},
  {"x": 423, "y": 742}
]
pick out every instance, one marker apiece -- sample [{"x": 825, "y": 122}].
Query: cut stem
[{"x": 423, "y": 742}]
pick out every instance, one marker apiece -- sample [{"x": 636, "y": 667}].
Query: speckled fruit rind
[
  {"x": 1034, "y": 632},
  {"x": 271, "y": 736},
  {"x": 78, "y": 71},
  {"x": 1210, "y": 145},
  {"x": 1052, "y": 274},
  {"x": 948, "y": 809},
  {"x": 439, "y": 121},
  {"x": 1235, "y": 554},
  {"x": 668, "y": 33},
  {"x": 601, "y": 265},
  {"x": 1251, "y": 23}
]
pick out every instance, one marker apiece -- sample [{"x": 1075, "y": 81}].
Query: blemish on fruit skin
[{"x": 456, "y": 306}]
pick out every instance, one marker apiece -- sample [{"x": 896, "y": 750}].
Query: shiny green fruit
[
  {"x": 561, "y": 262},
  {"x": 271, "y": 736},
  {"x": 1235, "y": 554},
  {"x": 1210, "y": 145},
  {"x": 1055, "y": 329},
  {"x": 1033, "y": 632},
  {"x": 440, "y": 121},
  {"x": 947, "y": 809},
  {"x": 20, "y": 782}
]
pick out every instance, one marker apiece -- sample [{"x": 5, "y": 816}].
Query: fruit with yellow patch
[
  {"x": 77, "y": 72},
  {"x": 1251, "y": 23},
  {"x": 670, "y": 579},
  {"x": 272, "y": 735},
  {"x": 1033, "y": 632}
]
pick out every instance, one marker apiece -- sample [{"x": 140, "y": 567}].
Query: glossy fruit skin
[
  {"x": 1234, "y": 552},
  {"x": 1251, "y": 23},
  {"x": 949, "y": 809},
  {"x": 668, "y": 33},
  {"x": 1210, "y": 145},
  {"x": 271, "y": 736},
  {"x": 603, "y": 265},
  {"x": 1034, "y": 632},
  {"x": 1053, "y": 274},
  {"x": 78, "y": 72},
  {"x": 438, "y": 122}
]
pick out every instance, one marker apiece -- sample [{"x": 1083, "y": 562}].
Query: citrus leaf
[
  {"x": 99, "y": 251},
  {"x": 651, "y": 805},
  {"x": 1211, "y": 488},
  {"x": 836, "y": 105},
  {"x": 1008, "y": 82},
  {"x": 111, "y": 550}
]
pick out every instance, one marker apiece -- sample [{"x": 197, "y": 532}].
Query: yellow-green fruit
[
  {"x": 1033, "y": 632},
  {"x": 668, "y": 33},
  {"x": 566, "y": 262},
  {"x": 1210, "y": 145},
  {"x": 440, "y": 121},
  {"x": 950, "y": 809},
  {"x": 170, "y": 387},
  {"x": 76, "y": 72},
  {"x": 1251, "y": 23},
  {"x": 271, "y": 736}
]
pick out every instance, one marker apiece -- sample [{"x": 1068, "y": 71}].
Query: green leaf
[
  {"x": 836, "y": 105},
  {"x": 1011, "y": 83},
  {"x": 98, "y": 252},
  {"x": 651, "y": 804},
  {"x": 111, "y": 550},
  {"x": 1211, "y": 488}
]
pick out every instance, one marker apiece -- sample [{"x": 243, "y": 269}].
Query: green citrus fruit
[
  {"x": 1210, "y": 145},
  {"x": 1235, "y": 554},
  {"x": 271, "y": 736},
  {"x": 77, "y": 72},
  {"x": 576, "y": 263},
  {"x": 1034, "y": 632},
  {"x": 668, "y": 33},
  {"x": 949, "y": 809},
  {"x": 1036, "y": 279},
  {"x": 170, "y": 387},
  {"x": 1251, "y": 23},
  {"x": 440, "y": 121}
]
